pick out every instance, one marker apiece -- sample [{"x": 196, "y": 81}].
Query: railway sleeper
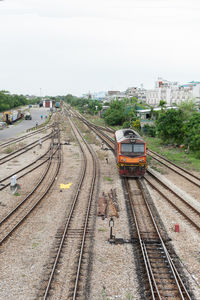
[{"x": 171, "y": 277}]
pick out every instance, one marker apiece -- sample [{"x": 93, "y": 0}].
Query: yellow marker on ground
[{"x": 65, "y": 186}]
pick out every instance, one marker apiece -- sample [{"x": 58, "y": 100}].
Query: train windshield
[
  {"x": 132, "y": 148},
  {"x": 138, "y": 148}
]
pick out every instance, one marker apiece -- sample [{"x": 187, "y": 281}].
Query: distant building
[
  {"x": 99, "y": 95},
  {"x": 145, "y": 115},
  {"x": 113, "y": 93},
  {"x": 172, "y": 92},
  {"x": 30, "y": 97},
  {"x": 139, "y": 93},
  {"x": 47, "y": 103}
]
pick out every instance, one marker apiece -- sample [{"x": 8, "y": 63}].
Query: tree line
[{"x": 8, "y": 101}]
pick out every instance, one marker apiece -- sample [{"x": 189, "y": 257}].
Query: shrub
[{"x": 149, "y": 130}]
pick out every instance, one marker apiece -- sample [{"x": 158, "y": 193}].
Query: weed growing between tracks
[
  {"x": 100, "y": 154},
  {"x": 13, "y": 148},
  {"x": 108, "y": 179},
  {"x": 95, "y": 120},
  {"x": 16, "y": 194},
  {"x": 89, "y": 136}
]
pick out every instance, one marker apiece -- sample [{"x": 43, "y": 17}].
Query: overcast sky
[{"x": 75, "y": 46}]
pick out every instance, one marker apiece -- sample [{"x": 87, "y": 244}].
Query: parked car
[{"x": 28, "y": 116}]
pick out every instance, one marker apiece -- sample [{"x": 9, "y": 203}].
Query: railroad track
[
  {"x": 79, "y": 116},
  {"x": 20, "y": 212},
  {"x": 162, "y": 277},
  {"x": 175, "y": 168},
  {"x": 184, "y": 206},
  {"x": 98, "y": 130},
  {"x": 76, "y": 229},
  {"x": 23, "y": 150},
  {"x": 19, "y": 139},
  {"x": 5, "y": 182}
]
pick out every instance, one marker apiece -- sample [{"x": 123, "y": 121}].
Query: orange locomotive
[{"x": 131, "y": 153}]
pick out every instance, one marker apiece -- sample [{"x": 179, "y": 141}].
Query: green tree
[
  {"x": 169, "y": 126},
  {"x": 162, "y": 104},
  {"x": 192, "y": 132},
  {"x": 149, "y": 130},
  {"x": 188, "y": 108},
  {"x": 115, "y": 115},
  {"x": 136, "y": 125},
  {"x": 8, "y": 101}
]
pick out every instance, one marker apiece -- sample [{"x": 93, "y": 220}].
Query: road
[{"x": 21, "y": 127}]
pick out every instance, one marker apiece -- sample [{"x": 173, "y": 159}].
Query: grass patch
[
  {"x": 90, "y": 138},
  {"x": 76, "y": 155},
  {"x": 34, "y": 245},
  {"x": 100, "y": 154},
  {"x": 102, "y": 229},
  {"x": 9, "y": 150},
  {"x": 108, "y": 179},
  {"x": 95, "y": 120},
  {"x": 129, "y": 296},
  {"x": 13, "y": 148},
  {"x": 101, "y": 260},
  {"x": 16, "y": 194},
  {"x": 174, "y": 154}
]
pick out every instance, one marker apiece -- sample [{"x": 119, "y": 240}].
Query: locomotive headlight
[
  {"x": 141, "y": 160},
  {"x": 123, "y": 159}
]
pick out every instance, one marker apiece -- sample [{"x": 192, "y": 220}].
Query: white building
[
  {"x": 139, "y": 93},
  {"x": 172, "y": 92}
]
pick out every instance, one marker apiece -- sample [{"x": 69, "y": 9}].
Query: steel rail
[
  {"x": 104, "y": 128},
  {"x": 16, "y": 140},
  {"x": 70, "y": 217},
  {"x": 23, "y": 201},
  {"x": 82, "y": 176},
  {"x": 188, "y": 205},
  {"x": 28, "y": 196},
  {"x": 27, "y": 166},
  {"x": 24, "y": 168},
  {"x": 87, "y": 215},
  {"x": 186, "y": 171},
  {"x": 155, "y": 292},
  {"x": 140, "y": 241},
  {"x": 177, "y": 172},
  {"x": 100, "y": 134},
  {"x": 27, "y": 148},
  {"x": 165, "y": 249}
]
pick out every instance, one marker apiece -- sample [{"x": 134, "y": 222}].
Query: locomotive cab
[{"x": 131, "y": 153}]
